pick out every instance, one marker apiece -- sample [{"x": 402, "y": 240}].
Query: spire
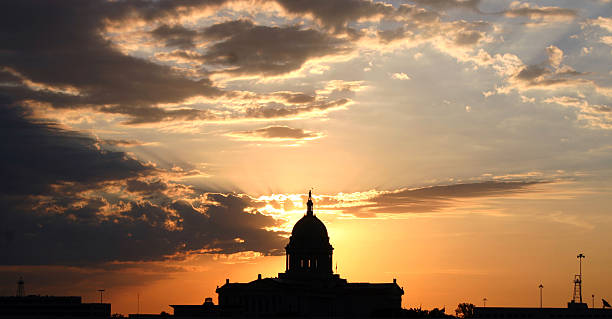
[{"x": 309, "y": 212}]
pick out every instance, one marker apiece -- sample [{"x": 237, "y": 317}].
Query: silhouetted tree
[
  {"x": 422, "y": 313},
  {"x": 465, "y": 310},
  {"x": 438, "y": 313}
]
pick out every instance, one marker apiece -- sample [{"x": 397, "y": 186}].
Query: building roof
[{"x": 338, "y": 286}]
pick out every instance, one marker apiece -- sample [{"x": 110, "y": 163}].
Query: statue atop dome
[{"x": 309, "y": 204}]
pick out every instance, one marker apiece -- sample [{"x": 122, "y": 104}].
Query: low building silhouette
[
  {"x": 39, "y": 307},
  {"x": 207, "y": 309}
]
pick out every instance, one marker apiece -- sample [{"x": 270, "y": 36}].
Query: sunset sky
[{"x": 156, "y": 148}]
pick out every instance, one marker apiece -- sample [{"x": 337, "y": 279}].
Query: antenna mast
[
  {"x": 578, "y": 281},
  {"x": 100, "y": 291}
]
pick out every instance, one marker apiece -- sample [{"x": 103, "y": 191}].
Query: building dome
[
  {"x": 309, "y": 252},
  {"x": 309, "y": 232}
]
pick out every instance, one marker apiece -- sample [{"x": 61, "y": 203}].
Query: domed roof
[
  {"x": 309, "y": 232},
  {"x": 309, "y": 227}
]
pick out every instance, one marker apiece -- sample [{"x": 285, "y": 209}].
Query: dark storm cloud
[
  {"x": 435, "y": 198},
  {"x": 387, "y": 36},
  {"x": 175, "y": 36},
  {"x": 268, "y": 50},
  {"x": 449, "y": 4},
  {"x": 245, "y": 48},
  {"x": 227, "y": 29},
  {"x": 152, "y": 114},
  {"x": 541, "y": 12},
  {"x": 277, "y": 132},
  {"x": 138, "y": 186},
  {"x": 36, "y": 154},
  {"x": 120, "y": 142},
  {"x": 141, "y": 231},
  {"x": 278, "y": 112},
  {"x": 545, "y": 77},
  {"x": 58, "y": 206},
  {"x": 531, "y": 72},
  {"x": 54, "y": 52},
  {"x": 59, "y": 43},
  {"x": 337, "y": 14},
  {"x": 295, "y": 97}
]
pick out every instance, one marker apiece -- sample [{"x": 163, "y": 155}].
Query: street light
[
  {"x": 484, "y": 302},
  {"x": 540, "y": 286}
]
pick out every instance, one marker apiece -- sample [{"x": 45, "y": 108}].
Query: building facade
[{"x": 308, "y": 287}]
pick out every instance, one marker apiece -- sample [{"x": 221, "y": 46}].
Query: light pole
[
  {"x": 484, "y": 302},
  {"x": 101, "y": 291},
  {"x": 593, "y": 303},
  {"x": 540, "y": 286}
]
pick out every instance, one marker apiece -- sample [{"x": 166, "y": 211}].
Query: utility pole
[
  {"x": 100, "y": 291},
  {"x": 541, "y": 286}
]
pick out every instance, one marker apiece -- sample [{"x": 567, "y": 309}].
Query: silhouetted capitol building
[{"x": 308, "y": 287}]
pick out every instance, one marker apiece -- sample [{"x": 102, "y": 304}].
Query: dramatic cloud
[
  {"x": 534, "y": 12},
  {"x": 67, "y": 201},
  {"x": 449, "y": 4},
  {"x": 240, "y": 47},
  {"x": 281, "y": 112},
  {"x": 250, "y": 49},
  {"x": 337, "y": 14},
  {"x": 295, "y": 97},
  {"x": 38, "y": 154},
  {"x": 59, "y": 46},
  {"x": 175, "y": 36},
  {"x": 134, "y": 231},
  {"x": 421, "y": 200},
  {"x": 276, "y": 133}
]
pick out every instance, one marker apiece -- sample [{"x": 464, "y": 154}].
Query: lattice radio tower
[{"x": 578, "y": 281}]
